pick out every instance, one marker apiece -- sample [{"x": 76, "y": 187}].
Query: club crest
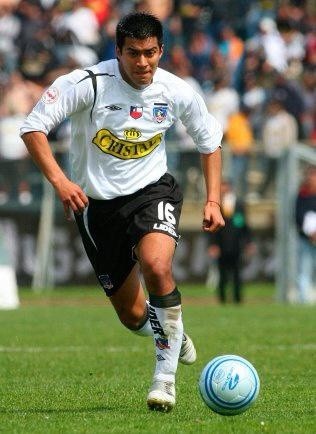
[
  {"x": 160, "y": 113},
  {"x": 162, "y": 343}
]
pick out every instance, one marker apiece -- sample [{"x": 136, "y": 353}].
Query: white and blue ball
[{"x": 229, "y": 384}]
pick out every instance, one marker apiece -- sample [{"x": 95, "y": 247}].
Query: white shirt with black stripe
[{"x": 118, "y": 132}]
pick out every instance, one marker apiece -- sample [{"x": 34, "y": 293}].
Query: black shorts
[{"x": 110, "y": 229}]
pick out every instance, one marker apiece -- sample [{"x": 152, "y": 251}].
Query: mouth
[{"x": 142, "y": 73}]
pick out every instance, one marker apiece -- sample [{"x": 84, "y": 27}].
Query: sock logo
[
  {"x": 162, "y": 343},
  {"x": 154, "y": 322},
  {"x": 160, "y": 358}
]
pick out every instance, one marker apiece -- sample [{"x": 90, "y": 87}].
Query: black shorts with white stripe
[{"x": 110, "y": 229}]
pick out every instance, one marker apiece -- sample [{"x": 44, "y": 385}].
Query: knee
[{"x": 156, "y": 271}]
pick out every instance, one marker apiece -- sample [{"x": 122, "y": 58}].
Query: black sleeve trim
[{"x": 93, "y": 77}]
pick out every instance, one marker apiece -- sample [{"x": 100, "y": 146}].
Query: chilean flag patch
[{"x": 136, "y": 111}]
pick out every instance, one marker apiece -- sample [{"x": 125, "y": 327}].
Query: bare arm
[
  {"x": 71, "y": 195},
  {"x": 212, "y": 168}
]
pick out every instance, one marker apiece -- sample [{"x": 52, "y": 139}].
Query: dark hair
[{"x": 138, "y": 25}]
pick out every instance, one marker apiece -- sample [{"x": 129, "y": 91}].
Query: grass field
[{"x": 68, "y": 366}]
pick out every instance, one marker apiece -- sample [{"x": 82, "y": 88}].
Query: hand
[
  {"x": 213, "y": 219},
  {"x": 72, "y": 197},
  {"x": 313, "y": 238},
  {"x": 214, "y": 251},
  {"x": 250, "y": 249}
]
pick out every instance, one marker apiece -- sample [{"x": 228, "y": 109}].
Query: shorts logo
[
  {"x": 123, "y": 149},
  {"x": 136, "y": 111},
  {"x": 165, "y": 227},
  {"x": 132, "y": 134},
  {"x": 105, "y": 281},
  {"x": 160, "y": 112},
  {"x": 50, "y": 96}
]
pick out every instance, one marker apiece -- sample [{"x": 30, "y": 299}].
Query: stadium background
[{"x": 204, "y": 41}]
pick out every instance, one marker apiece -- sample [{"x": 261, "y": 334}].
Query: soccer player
[{"x": 127, "y": 207}]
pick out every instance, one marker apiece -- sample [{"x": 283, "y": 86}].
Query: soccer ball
[{"x": 229, "y": 385}]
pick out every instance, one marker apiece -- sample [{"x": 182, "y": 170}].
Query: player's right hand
[{"x": 72, "y": 197}]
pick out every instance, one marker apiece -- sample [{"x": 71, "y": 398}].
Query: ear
[
  {"x": 118, "y": 52},
  {"x": 161, "y": 51}
]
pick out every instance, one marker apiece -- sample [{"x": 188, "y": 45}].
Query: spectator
[
  {"x": 231, "y": 46},
  {"x": 18, "y": 99},
  {"x": 308, "y": 93},
  {"x": 288, "y": 94},
  {"x": 229, "y": 246},
  {"x": 279, "y": 133},
  {"x": 223, "y": 101},
  {"x": 10, "y": 27},
  {"x": 310, "y": 46},
  {"x": 294, "y": 47},
  {"x": 239, "y": 138},
  {"x": 199, "y": 53},
  {"x": 182, "y": 67},
  {"x": 306, "y": 226},
  {"x": 82, "y": 23},
  {"x": 273, "y": 45},
  {"x": 254, "y": 99}
]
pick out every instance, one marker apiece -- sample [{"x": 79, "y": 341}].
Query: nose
[{"x": 142, "y": 60}]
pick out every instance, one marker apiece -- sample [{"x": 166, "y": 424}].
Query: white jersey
[{"x": 117, "y": 132}]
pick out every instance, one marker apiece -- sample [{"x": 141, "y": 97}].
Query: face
[{"x": 139, "y": 60}]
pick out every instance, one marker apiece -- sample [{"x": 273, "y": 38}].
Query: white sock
[
  {"x": 145, "y": 329},
  {"x": 167, "y": 328}
]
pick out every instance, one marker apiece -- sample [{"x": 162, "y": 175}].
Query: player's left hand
[{"x": 213, "y": 219}]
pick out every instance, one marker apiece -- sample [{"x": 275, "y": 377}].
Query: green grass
[{"x": 68, "y": 366}]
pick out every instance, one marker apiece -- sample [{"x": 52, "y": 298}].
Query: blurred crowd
[{"x": 254, "y": 63}]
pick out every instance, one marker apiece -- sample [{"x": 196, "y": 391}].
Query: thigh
[
  {"x": 108, "y": 249},
  {"x": 155, "y": 246}
]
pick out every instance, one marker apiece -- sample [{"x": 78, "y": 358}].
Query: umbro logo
[
  {"x": 113, "y": 108},
  {"x": 160, "y": 358}
]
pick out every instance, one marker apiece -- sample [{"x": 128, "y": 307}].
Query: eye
[{"x": 133, "y": 53}]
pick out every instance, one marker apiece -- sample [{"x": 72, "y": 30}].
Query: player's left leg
[{"x": 133, "y": 310}]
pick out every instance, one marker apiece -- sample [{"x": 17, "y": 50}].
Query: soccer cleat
[
  {"x": 162, "y": 396},
  {"x": 187, "y": 353}
]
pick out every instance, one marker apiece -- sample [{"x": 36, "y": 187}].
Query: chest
[{"x": 132, "y": 116}]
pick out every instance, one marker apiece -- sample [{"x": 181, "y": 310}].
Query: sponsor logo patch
[
  {"x": 132, "y": 134},
  {"x": 50, "y": 96},
  {"x": 136, "y": 111},
  {"x": 124, "y": 149}
]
